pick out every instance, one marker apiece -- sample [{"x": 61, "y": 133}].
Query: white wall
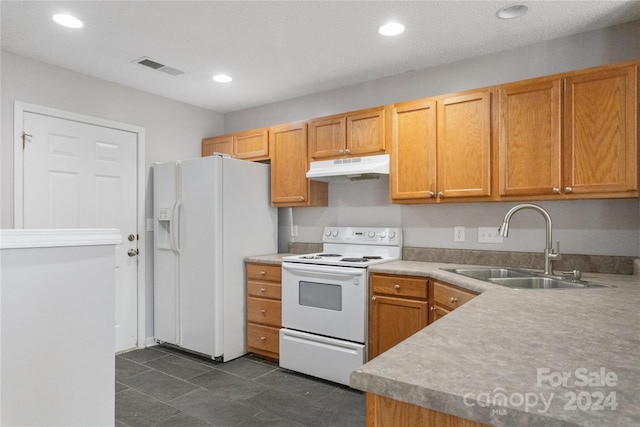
[
  {"x": 603, "y": 227},
  {"x": 173, "y": 129}
]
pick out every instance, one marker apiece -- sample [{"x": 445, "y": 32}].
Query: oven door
[{"x": 325, "y": 300}]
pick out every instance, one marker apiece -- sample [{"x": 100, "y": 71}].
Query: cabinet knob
[
  {"x": 302, "y": 198},
  {"x": 440, "y": 194},
  {"x": 263, "y": 290},
  {"x": 373, "y": 298},
  {"x": 568, "y": 189},
  {"x": 263, "y": 311},
  {"x": 453, "y": 300},
  {"x": 262, "y": 273},
  {"x": 397, "y": 286},
  {"x": 341, "y": 151},
  {"x": 432, "y": 308},
  {"x": 263, "y": 339},
  {"x": 431, "y": 194},
  {"x": 347, "y": 151},
  {"x": 555, "y": 190}
]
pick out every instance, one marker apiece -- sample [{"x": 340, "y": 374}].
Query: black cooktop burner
[
  {"x": 370, "y": 257},
  {"x": 329, "y": 255},
  {"x": 354, "y": 259}
]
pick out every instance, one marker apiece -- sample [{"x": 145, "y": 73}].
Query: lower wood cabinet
[
  {"x": 446, "y": 298},
  {"x": 397, "y": 310},
  {"x": 264, "y": 309},
  {"x": 387, "y": 412}
]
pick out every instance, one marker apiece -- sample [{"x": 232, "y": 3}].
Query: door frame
[{"x": 20, "y": 108}]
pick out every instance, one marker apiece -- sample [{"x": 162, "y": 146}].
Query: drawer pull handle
[
  {"x": 397, "y": 286},
  {"x": 454, "y": 300}
]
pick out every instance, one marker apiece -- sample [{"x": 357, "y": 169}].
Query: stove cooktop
[{"x": 353, "y": 260}]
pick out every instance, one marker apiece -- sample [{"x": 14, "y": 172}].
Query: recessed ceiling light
[
  {"x": 68, "y": 21},
  {"x": 222, "y": 78},
  {"x": 391, "y": 29},
  {"x": 511, "y": 12}
]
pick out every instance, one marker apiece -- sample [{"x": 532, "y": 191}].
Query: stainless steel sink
[
  {"x": 488, "y": 273},
  {"x": 519, "y": 279}
]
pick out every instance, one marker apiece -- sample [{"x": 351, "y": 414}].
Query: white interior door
[{"x": 79, "y": 175}]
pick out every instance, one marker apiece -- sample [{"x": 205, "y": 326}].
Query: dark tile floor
[{"x": 161, "y": 386}]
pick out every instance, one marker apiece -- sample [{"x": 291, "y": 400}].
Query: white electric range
[{"x": 325, "y": 300}]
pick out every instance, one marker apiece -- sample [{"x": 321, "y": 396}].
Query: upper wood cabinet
[
  {"x": 413, "y": 151},
  {"x": 217, "y": 144},
  {"x": 289, "y": 164},
  {"x": 441, "y": 148},
  {"x": 601, "y": 135},
  {"x": 353, "y": 134},
  {"x": 248, "y": 145},
  {"x": 464, "y": 145},
  {"x": 530, "y": 137},
  {"x": 570, "y": 136}
]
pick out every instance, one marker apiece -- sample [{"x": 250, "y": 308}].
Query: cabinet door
[
  {"x": 436, "y": 313},
  {"x": 413, "y": 151},
  {"x": 600, "y": 142},
  {"x": 464, "y": 145},
  {"x": 393, "y": 320},
  {"x": 217, "y": 144},
  {"x": 252, "y": 145},
  {"x": 366, "y": 132},
  {"x": 327, "y": 137},
  {"x": 289, "y": 164},
  {"x": 529, "y": 145}
]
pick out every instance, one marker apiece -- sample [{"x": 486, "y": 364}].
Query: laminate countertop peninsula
[{"x": 548, "y": 357}]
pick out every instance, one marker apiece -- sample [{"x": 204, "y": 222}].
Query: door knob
[
  {"x": 132, "y": 252},
  {"x": 131, "y": 237}
]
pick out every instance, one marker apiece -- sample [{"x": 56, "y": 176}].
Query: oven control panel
[{"x": 363, "y": 235}]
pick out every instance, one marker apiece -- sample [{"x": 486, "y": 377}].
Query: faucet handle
[{"x": 554, "y": 255}]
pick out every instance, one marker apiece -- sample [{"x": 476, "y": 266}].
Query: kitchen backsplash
[{"x": 534, "y": 260}]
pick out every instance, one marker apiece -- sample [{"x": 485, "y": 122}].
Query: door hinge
[{"x": 24, "y": 139}]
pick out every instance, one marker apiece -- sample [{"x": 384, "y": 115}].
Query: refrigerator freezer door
[{"x": 166, "y": 267}]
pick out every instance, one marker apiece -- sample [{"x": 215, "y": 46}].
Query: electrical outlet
[
  {"x": 149, "y": 224},
  {"x": 294, "y": 231},
  {"x": 458, "y": 233},
  {"x": 489, "y": 235}
]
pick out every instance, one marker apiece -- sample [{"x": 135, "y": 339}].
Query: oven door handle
[{"x": 324, "y": 269}]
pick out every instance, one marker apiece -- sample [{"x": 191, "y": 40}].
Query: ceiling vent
[{"x": 150, "y": 63}]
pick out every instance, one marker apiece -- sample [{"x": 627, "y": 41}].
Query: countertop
[
  {"x": 552, "y": 357},
  {"x": 551, "y": 354}
]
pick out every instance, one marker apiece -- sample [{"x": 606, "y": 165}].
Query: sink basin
[
  {"x": 489, "y": 273},
  {"x": 539, "y": 283},
  {"x": 519, "y": 279}
]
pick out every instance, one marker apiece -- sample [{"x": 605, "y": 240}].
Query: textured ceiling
[{"x": 284, "y": 49}]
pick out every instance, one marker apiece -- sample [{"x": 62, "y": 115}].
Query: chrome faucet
[{"x": 549, "y": 254}]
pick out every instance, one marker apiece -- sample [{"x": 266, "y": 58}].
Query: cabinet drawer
[
  {"x": 263, "y": 339},
  {"x": 265, "y": 311},
  {"x": 264, "y": 290},
  {"x": 448, "y": 296},
  {"x": 272, "y": 273},
  {"x": 412, "y": 287}
]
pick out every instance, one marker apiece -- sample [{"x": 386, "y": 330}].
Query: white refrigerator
[{"x": 209, "y": 213}]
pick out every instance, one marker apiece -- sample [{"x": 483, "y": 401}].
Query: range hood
[{"x": 352, "y": 168}]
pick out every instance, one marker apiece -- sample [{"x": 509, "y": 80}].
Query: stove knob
[
  {"x": 372, "y": 234},
  {"x": 335, "y": 233},
  {"x": 392, "y": 234},
  {"x": 327, "y": 232},
  {"x": 383, "y": 234}
]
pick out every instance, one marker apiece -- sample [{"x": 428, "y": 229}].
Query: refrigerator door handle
[{"x": 175, "y": 227}]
